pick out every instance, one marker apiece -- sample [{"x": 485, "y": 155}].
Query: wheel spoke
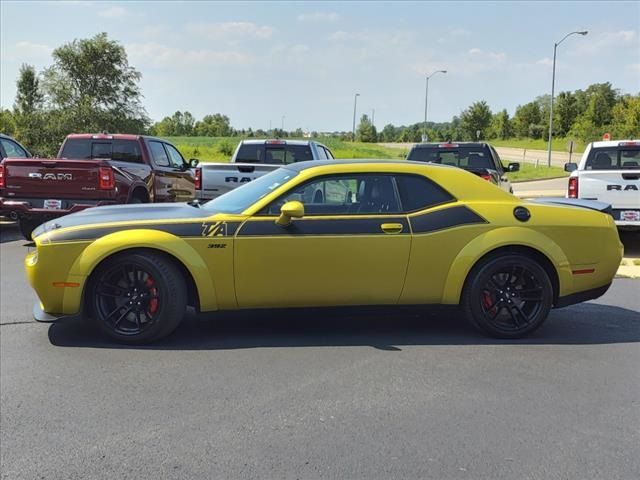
[
  {"x": 524, "y": 316},
  {"x": 498, "y": 307},
  {"x": 514, "y": 316},
  {"x": 126, "y": 312},
  {"x": 493, "y": 284}
]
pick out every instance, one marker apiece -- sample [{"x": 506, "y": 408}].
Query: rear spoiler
[{"x": 577, "y": 202}]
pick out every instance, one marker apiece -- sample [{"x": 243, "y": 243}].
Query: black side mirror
[
  {"x": 193, "y": 163},
  {"x": 570, "y": 167},
  {"x": 513, "y": 167}
]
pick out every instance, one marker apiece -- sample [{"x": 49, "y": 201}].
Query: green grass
[
  {"x": 530, "y": 172},
  {"x": 208, "y": 149},
  {"x": 559, "y": 144}
]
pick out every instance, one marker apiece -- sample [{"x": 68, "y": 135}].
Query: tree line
[{"x": 90, "y": 87}]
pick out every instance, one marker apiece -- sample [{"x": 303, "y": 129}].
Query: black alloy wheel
[
  {"x": 508, "y": 296},
  {"x": 138, "y": 297}
]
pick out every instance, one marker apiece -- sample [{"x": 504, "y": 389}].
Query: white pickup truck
[
  {"x": 252, "y": 159},
  {"x": 610, "y": 172}
]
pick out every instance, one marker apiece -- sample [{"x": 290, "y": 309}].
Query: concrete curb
[{"x": 539, "y": 179}]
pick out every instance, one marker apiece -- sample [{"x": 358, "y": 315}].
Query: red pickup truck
[{"x": 93, "y": 170}]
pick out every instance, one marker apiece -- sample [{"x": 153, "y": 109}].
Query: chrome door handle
[{"x": 392, "y": 228}]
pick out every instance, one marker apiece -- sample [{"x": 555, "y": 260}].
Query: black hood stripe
[{"x": 198, "y": 230}]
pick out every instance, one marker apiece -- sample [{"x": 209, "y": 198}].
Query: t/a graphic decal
[{"x": 216, "y": 229}]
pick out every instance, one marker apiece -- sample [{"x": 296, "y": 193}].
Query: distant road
[{"x": 558, "y": 159}]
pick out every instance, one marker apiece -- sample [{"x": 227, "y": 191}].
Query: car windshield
[
  {"x": 463, "y": 157},
  {"x": 241, "y": 198}
]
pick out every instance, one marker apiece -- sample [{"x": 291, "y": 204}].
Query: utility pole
[
  {"x": 426, "y": 103},
  {"x": 553, "y": 86},
  {"x": 355, "y": 102}
]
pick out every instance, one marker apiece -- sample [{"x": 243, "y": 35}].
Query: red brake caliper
[
  {"x": 153, "y": 302},
  {"x": 487, "y": 301}
]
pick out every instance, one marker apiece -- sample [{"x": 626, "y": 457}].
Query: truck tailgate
[
  {"x": 219, "y": 178},
  {"x": 51, "y": 178},
  {"x": 620, "y": 188}
]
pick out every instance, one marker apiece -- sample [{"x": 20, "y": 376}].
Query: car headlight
[{"x": 32, "y": 258}]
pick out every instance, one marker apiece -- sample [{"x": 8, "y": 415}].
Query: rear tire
[
  {"x": 507, "y": 296},
  {"x": 137, "y": 297},
  {"x": 27, "y": 226}
]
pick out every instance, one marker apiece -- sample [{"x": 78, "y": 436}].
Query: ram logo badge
[
  {"x": 51, "y": 176},
  {"x": 237, "y": 179},
  {"x": 619, "y": 188}
]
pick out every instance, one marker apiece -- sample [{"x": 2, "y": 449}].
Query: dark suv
[{"x": 476, "y": 157}]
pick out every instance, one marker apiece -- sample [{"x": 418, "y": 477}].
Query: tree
[
  {"x": 501, "y": 125},
  {"x": 389, "y": 133},
  {"x": 7, "y": 122},
  {"x": 92, "y": 87},
  {"x": 526, "y": 115},
  {"x": 565, "y": 112},
  {"x": 29, "y": 97},
  {"x": 216, "y": 125},
  {"x": 476, "y": 118},
  {"x": 626, "y": 117},
  {"x": 366, "y": 131}
]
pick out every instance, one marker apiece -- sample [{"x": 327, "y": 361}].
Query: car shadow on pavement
[
  {"x": 389, "y": 329},
  {"x": 9, "y": 231}
]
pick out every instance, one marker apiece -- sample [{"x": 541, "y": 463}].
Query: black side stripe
[
  {"x": 350, "y": 226},
  {"x": 193, "y": 229},
  {"x": 443, "y": 219}
]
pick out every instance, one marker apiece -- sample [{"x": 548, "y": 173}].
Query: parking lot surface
[{"x": 339, "y": 394}]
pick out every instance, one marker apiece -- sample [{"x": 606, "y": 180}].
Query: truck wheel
[
  {"x": 507, "y": 296},
  {"x": 27, "y": 226},
  {"x": 137, "y": 297}
]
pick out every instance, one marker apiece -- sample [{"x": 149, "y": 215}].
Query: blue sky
[{"x": 259, "y": 61}]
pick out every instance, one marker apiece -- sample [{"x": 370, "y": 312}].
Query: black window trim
[{"x": 166, "y": 150}]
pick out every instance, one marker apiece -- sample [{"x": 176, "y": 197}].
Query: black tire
[
  {"x": 507, "y": 295},
  {"x": 27, "y": 226},
  {"x": 137, "y": 199},
  {"x": 137, "y": 297}
]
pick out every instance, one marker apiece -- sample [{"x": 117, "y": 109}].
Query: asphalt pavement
[{"x": 337, "y": 395}]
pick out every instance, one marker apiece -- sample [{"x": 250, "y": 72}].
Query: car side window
[
  {"x": 498, "y": 160},
  {"x": 329, "y": 154},
  {"x": 418, "y": 192},
  {"x": 158, "y": 154},
  {"x": 355, "y": 194},
  {"x": 12, "y": 149},
  {"x": 174, "y": 156},
  {"x": 322, "y": 155},
  {"x": 127, "y": 151}
]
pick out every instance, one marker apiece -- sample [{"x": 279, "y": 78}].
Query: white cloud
[
  {"x": 160, "y": 56},
  {"x": 28, "y": 51},
  {"x": 600, "y": 42},
  {"x": 319, "y": 17},
  {"x": 113, "y": 12},
  {"x": 546, "y": 61},
  {"x": 459, "y": 32},
  {"x": 230, "y": 30},
  {"x": 154, "y": 30},
  {"x": 475, "y": 51}
]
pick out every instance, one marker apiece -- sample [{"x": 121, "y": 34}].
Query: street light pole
[
  {"x": 282, "y": 126},
  {"x": 426, "y": 103},
  {"x": 355, "y": 101},
  {"x": 553, "y": 87}
]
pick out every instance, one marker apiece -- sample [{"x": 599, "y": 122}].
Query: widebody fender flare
[
  {"x": 499, "y": 238},
  {"x": 165, "y": 242}
]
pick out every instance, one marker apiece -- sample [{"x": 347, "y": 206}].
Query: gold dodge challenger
[{"x": 327, "y": 233}]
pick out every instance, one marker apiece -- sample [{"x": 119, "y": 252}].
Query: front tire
[
  {"x": 137, "y": 297},
  {"x": 507, "y": 296}
]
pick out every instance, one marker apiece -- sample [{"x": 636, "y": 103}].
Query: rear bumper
[
  {"x": 580, "y": 297},
  {"x": 32, "y": 208}
]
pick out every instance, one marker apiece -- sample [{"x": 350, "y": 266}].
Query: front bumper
[{"x": 40, "y": 315}]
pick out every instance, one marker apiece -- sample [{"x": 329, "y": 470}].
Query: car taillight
[
  {"x": 198, "y": 178},
  {"x": 107, "y": 180},
  {"x": 573, "y": 187},
  {"x": 1, "y": 176}
]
